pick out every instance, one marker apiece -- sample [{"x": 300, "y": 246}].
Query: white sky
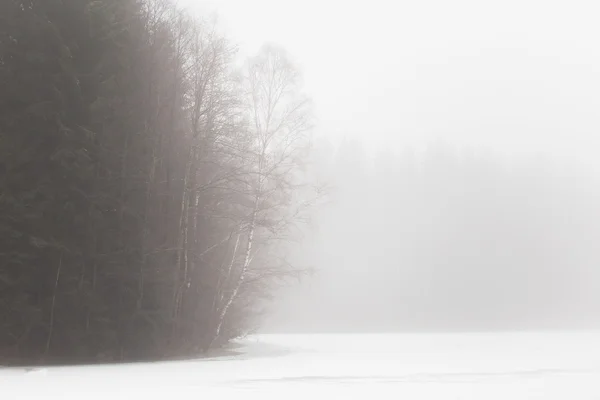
[{"x": 511, "y": 75}]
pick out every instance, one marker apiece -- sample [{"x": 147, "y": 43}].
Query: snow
[{"x": 507, "y": 366}]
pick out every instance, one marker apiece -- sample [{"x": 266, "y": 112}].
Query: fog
[
  {"x": 460, "y": 140},
  {"x": 519, "y": 76}
]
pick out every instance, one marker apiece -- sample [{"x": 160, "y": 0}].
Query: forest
[{"x": 149, "y": 181}]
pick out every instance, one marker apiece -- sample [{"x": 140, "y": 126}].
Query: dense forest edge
[{"x": 149, "y": 183}]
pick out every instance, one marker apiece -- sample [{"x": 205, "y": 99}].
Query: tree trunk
[{"x": 242, "y": 277}]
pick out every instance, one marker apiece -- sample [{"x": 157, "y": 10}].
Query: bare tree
[{"x": 279, "y": 126}]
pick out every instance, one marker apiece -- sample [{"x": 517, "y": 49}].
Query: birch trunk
[{"x": 244, "y": 270}]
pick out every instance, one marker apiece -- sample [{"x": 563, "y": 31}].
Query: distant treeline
[
  {"x": 448, "y": 238},
  {"x": 146, "y": 183}
]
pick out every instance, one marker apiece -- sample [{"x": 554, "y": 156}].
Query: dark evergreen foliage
[{"x": 126, "y": 168}]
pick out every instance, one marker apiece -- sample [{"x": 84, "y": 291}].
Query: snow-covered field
[{"x": 486, "y": 366}]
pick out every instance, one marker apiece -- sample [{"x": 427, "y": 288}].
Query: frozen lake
[{"x": 505, "y": 366}]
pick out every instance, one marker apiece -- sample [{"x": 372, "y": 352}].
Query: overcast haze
[
  {"x": 514, "y": 75},
  {"x": 466, "y": 168}
]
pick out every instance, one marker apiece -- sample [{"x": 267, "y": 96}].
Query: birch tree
[{"x": 279, "y": 122}]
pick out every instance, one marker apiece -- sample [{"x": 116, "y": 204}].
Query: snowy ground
[{"x": 507, "y": 366}]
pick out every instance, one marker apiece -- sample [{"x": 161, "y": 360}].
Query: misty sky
[{"x": 515, "y": 76}]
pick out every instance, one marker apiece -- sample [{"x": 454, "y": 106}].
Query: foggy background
[{"x": 461, "y": 141}]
